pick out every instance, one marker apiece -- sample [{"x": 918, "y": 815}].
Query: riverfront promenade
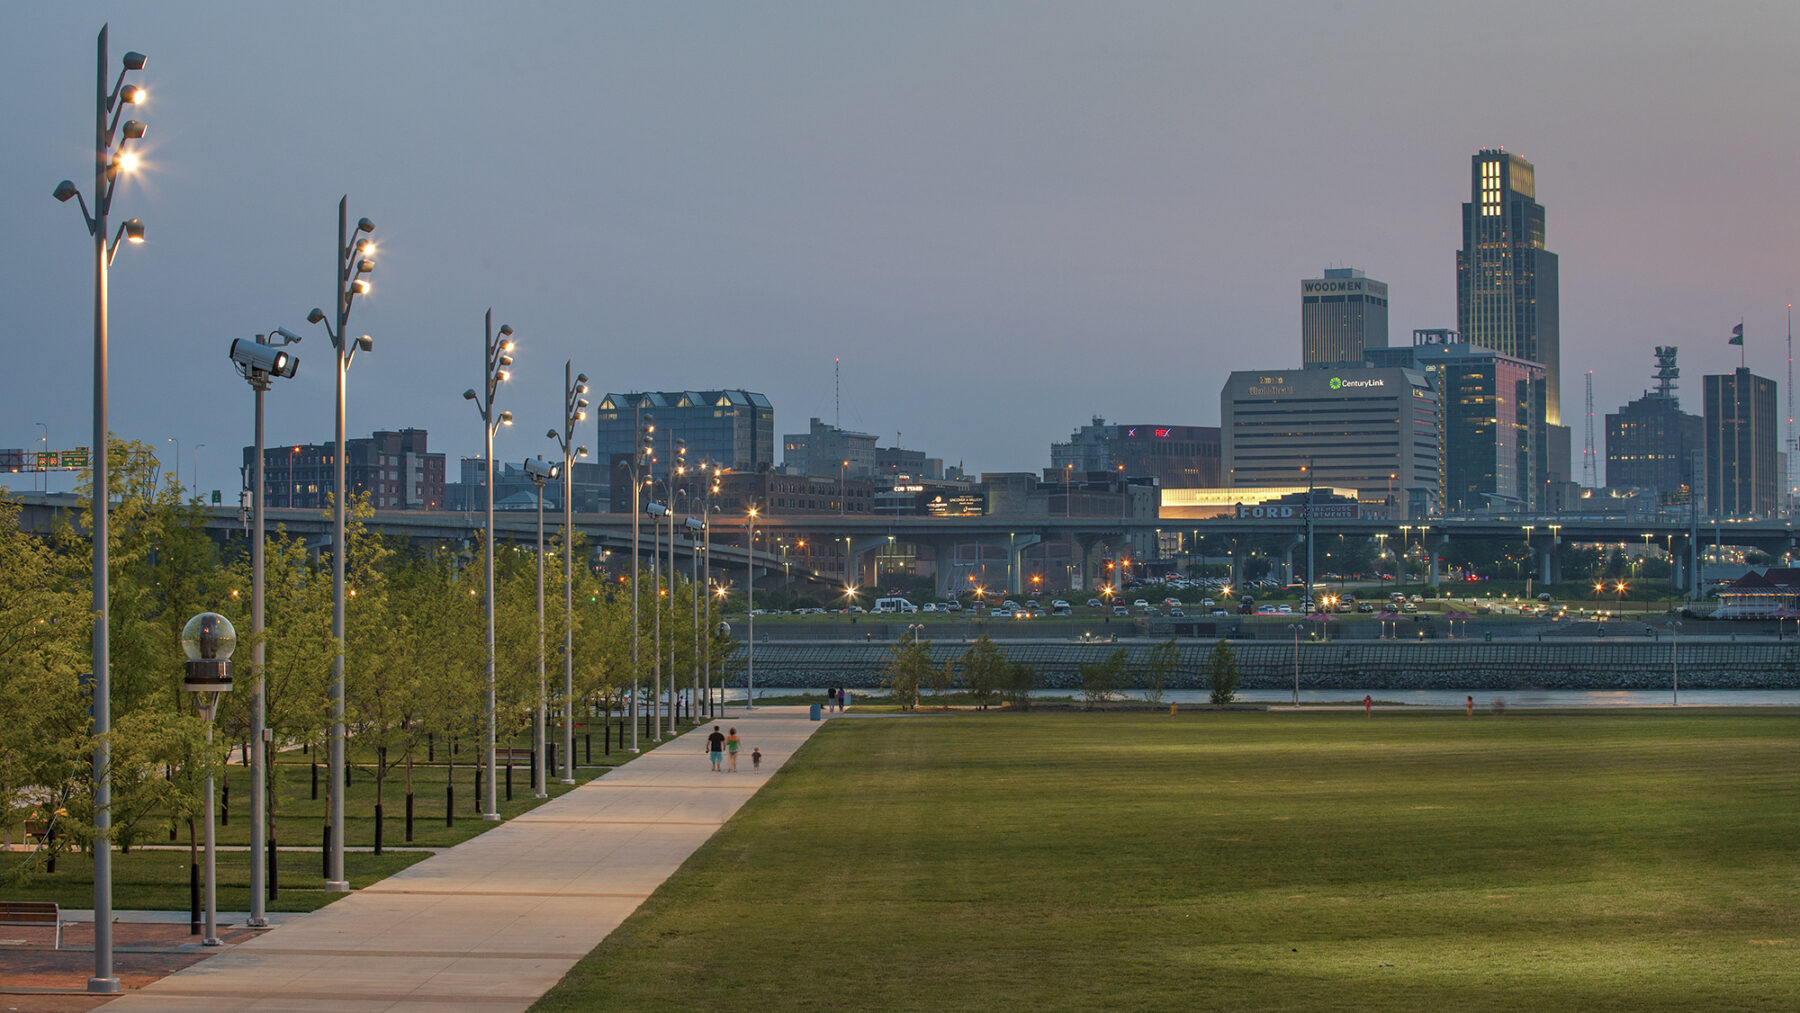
[{"x": 493, "y": 923}]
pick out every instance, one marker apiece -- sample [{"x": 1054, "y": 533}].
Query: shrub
[
  {"x": 1222, "y": 669},
  {"x": 1021, "y": 679},
  {"x": 1099, "y": 680}
]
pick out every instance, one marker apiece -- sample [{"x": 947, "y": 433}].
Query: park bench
[
  {"x": 36, "y": 829},
  {"x": 32, "y": 912},
  {"x": 512, "y": 756}
]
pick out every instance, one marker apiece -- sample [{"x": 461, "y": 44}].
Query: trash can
[{"x": 814, "y": 712}]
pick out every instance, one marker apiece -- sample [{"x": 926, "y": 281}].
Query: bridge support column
[
  {"x": 943, "y": 569},
  {"x": 1086, "y": 544},
  {"x": 1433, "y": 545}
]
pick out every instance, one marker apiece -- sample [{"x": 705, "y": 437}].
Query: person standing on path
[
  {"x": 830, "y": 699},
  {"x": 731, "y": 747},
  {"x": 1469, "y": 704},
  {"x": 1368, "y": 705},
  {"x": 715, "y": 745},
  {"x": 756, "y": 760}
]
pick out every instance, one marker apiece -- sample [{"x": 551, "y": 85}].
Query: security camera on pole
[
  {"x": 496, "y": 365},
  {"x": 208, "y": 640},
  {"x": 541, "y": 471},
  {"x": 259, "y": 361},
  {"x": 352, "y": 261},
  {"x": 574, "y": 410},
  {"x": 109, "y": 162}
]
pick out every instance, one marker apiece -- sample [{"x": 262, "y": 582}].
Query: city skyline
[{"x": 1002, "y": 218}]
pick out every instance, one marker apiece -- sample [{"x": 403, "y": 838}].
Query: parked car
[
  {"x": 1120, "y": 610},
  {"x": 1176, "y": 613},
  {"x": 1140, "y": 604},
  {"x": 1093, "y": 603},
  {"x": 1365, "y": 606}
]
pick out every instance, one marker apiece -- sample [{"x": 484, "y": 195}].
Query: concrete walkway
[{"x": 493, "y": 923}]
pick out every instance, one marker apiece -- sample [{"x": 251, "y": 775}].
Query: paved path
[{"x": 494, "y": 922}]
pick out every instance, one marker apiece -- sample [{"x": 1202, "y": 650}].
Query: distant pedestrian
[
  {"x": 837, "y": 697},
  {"x": 830, "y": 699},
  {"x": 715, "y": 745},
  {"x": 1469, "y": 705},
  {"x": 731, "y": 748},
  {"x": 756, "y": 761},
  {"x": 1368, "y": 705}
]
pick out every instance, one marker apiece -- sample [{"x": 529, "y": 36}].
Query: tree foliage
[
  {"x": 1222, "y": 674},
  {"x": 1101, "y": 679},
  {"x": 906, "y": 668},
  {"x": 984, "y": 670},
  {"x": 1159, "y": 666}
]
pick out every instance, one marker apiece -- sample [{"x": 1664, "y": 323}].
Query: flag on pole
[{"x": 1737, "y": 335}]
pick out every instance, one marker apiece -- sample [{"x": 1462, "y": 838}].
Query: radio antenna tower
[
  {"x": 837, "y": 404},
  {"x": 1587, "y": 456},
  {"x": 1789, "y": 436}
]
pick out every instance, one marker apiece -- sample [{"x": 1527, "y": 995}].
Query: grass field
[{"x": 1642, "y": 860}]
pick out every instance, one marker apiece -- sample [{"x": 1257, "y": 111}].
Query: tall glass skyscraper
[{"x": 1507, "y": 283}]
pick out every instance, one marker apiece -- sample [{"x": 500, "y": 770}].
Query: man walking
[{"x": 715, "y": 745}]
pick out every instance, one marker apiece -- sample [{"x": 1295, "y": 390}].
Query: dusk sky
[{"x": 1004, "y": 218}]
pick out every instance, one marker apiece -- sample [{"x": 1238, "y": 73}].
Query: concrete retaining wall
[{"x": 1608, "y": 664}]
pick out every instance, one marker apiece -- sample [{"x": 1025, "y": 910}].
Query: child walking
[
  {"x": 756, "y": 761},
  {"x": 731, "y": 749}
]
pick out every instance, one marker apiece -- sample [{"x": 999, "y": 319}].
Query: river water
[{"x": 1443, "y": 698}]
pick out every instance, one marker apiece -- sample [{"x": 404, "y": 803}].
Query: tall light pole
[
  {"x": 1296, "y": 628},
  {"x": 574, "y": 410},
  {"x": 696, "y": 592},
  {"x": 540, "y": 472},
  {"x": 349, "y": 262},
  {"x": 750, "y": 611},
  {"x": 496, "y": 360},
  {"x": 1674, "y": 662},
  {"x": 706, "y": 534},
  {"x": 196, "y": 487},
  {"x": 258, "y": 363},
  {"x": 108, "y": 163},
  {"x": 674, "y": 693},
  {"x": 640, "y": 457}
]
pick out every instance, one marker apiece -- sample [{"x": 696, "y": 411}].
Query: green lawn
[{"x": 1594, "y": 860}]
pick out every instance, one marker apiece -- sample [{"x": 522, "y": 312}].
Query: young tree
[
  {"x": 1163, "y": 659},
  {"x": 940, "y": 678},
  {"x": 1021, "y": 679},
  {"x": 905, "y": 669},
  {"x": 1099, "y": 680},
  {"x": 44, "y": 738},
  {"x": 984, "y": 670},
  {"x": 1222, "y": 670}
]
